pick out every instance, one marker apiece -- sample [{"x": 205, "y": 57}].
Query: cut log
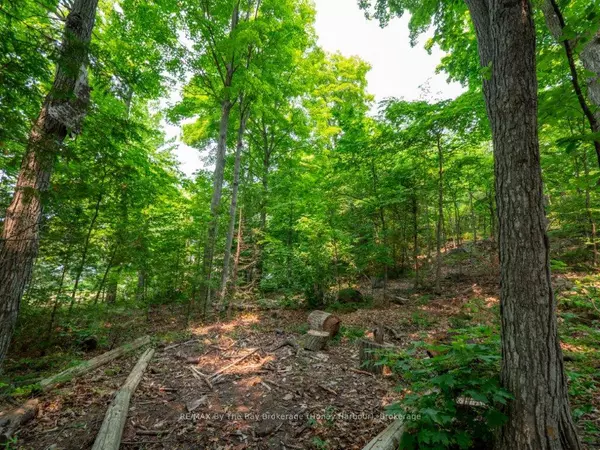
[
  {"x": 369, "y": 355},
  {"x": 388, "y": 439},
  {"x": 11, "y": 421},
  {"x": 109, "y": 436},
  {"x": 94, "y": 363},
  {"x": 323, "y": 321},
  {"x": 315, "y": 340}
]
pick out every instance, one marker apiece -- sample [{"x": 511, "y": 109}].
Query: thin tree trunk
[
  {"x": 539, "y": 417},
  {"x": 105, "y": 276},
  {"x": 86, "y": 245},
  {"x": 57, "y": 296},
  {"x": 457, "y": 223},
  {"x": 238, "y": 251},
  {"x": 215, "y": 205},
  {"x": 473, "y": 218},
  {"x": 244, "y": 111},
  {"x": 590, "y": 57},
  {"x": 440, "y": 221},
  {"x": 63, "y": 111},
  {"x": 588, "y": 210},
  {"x": 415, "y": 211}
]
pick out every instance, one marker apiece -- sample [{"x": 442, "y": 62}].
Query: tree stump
[
  {"x": 323, "y": 321},
  {"x": 369, "y": 355},
  {"x": 315, "y": 340}
]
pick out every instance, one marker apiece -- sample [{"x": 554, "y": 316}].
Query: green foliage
[
  {"x": 351, "y": 333},
  {"x": 463, "y": 371}
]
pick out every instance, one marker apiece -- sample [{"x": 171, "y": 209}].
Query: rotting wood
[
  {"x": 324, "y": 321},
  {"x": 388, "y": 439},
  {"x": 11, "y": 421},
  {"x": 109, "y": 436},
  {"x": 94, "y": 363}
]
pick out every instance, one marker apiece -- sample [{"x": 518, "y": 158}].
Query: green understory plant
[{"x": 454, "y": 399}]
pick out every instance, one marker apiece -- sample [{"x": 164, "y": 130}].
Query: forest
[{"x": 341, "y": 273}]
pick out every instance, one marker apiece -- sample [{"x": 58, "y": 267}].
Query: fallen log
[
  {"x": 323, "y": 321},
  {"x": 11, "y": 421},
  {"x": 109, "y": 436},
  {"x": 315, "y": 340},
  {"x": 388, "y": 439},
  {"x": 94, "y": 363}
]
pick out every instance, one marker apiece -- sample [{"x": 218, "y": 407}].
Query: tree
[
  {"x": 62, "y": 112},
  {"x": 532, "y": 368}
]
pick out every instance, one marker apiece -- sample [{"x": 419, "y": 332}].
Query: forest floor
[{"x": 285, "y": 399}]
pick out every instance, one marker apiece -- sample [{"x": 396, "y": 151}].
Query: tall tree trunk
[
  {"x": 457, "y": 223},
  {"x": 58, "y": 295},
  {"x": 215, "y": 206},
  {"x": 238, "y": 250},
  {"x": 86, "y": 246},
  {"x": 539, "y": 417},
  {"x": 415, "y": 211},
  {"x": 109, "y": 265},
  {"x": 473, "y": 217},
  {"x": 440, "y": 220},
  {"x": 62, "y": 112},
  {"x": 244, "y": 111},
  {"x": 589, "y": 213}
]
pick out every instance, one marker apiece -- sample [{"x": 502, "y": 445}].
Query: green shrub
[
  {"x": 350, "y": 332},
  {"x": 558, "y": 266},
  {"x": 467, "y": 368}
]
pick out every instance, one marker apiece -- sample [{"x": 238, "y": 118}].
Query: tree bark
[
  {"x": 234, "y": 195},
  {"x": 539, "y": 417},
  {"x": 215, "y": 204},
  {"x": 324, "y": 321},
  {"x": 62, "y": 112},
  {"x": 315, "y": 340}
]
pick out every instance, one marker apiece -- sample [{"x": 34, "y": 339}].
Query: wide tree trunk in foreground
[
  {"x": 62, "y": 112},
  {"x": 539, "y": 417}
]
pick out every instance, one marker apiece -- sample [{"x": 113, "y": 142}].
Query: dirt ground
[{"x": 272, "y": 398}]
